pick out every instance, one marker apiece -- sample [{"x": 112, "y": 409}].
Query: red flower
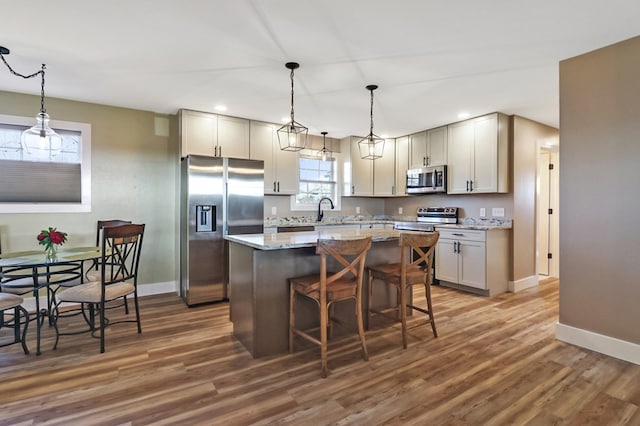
[
  {"x": 56, "y": 237},
  {"x": 49, "y": 237}
]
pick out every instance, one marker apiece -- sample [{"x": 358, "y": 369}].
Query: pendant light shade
[
  {"x": 325, "y": 153},
  {"x": 293, "y": 135},
  {"x": 372, "y": 146},
  {"x": 40, "y": 142}
]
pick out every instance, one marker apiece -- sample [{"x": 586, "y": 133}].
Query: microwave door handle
[{"x": 433, "y": 179}]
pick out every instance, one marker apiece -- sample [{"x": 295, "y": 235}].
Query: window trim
[
  {"x": 85, "y": 170},
  {"x": 338, "y": 184}
]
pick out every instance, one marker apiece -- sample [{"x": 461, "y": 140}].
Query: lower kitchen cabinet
[{"x": 473, "y": 260}]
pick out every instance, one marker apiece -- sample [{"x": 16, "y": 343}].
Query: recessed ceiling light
[
  {"x": 220, "y": 107},
  {"x": 463, "y": 114}
]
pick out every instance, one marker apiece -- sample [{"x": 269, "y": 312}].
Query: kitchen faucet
[{"x": 320, "y": 212}]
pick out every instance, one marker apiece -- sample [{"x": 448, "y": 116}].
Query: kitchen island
[{"x": 259, "y": 266}]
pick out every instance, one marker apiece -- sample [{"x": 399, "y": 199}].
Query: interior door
[
  {"x": 548, "y": 220},
  {"x": 543, "y": 213}
]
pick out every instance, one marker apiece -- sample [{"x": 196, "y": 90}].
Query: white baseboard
[
  {"x": 158, "y": 288},
  {"x": 143, "y": 290},
  {"x": 607, "y": 345},
  {"x": 523, "y": 283}
]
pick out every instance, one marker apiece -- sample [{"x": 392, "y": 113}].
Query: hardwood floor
[{"x": 496, "y": 362}]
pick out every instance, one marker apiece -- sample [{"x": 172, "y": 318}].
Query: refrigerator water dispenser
[{"x": 205, "y": 218}]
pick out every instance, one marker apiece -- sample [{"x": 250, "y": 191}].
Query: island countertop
[{"x": 289, "y": 240}]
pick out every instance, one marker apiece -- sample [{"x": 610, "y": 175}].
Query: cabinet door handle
[
  {"x": 454, "y": 247},
  {"x": 424, "y": 161},
  {"x": 457, "y": 234},
  {"x": 353, "y": 189},
  {"x": 471, "y": 185},
  {"x": 458, "y": 246},
  {"x": 467, "y": 186},
  {"x": 428, "y": 160},
  {"x": 393, "y": 190},
  {"x": 274, "y": 186},
  {"x": 278, "y": 186}
]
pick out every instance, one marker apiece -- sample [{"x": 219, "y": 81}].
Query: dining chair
[
  {"x": 327, "y": 287},
  {"x": 415, "y": 268},
  {"x": 93, "y": 272},
  {"x": 11, "y": 304},
  {"x": 118, "y": 266}
]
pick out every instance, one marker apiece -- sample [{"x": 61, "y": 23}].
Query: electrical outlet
[
  {"x": 497, "y": 212},
  {"x": 274, "y": 210},
  {"x": 483, "y": 212},
  {"x": 400, "y": 210},
  {"x": 357, "y": 209}
]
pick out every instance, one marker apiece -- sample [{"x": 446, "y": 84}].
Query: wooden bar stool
[
  {"x": 330, "y": 287},
  {"x": 415, "y": 267}
]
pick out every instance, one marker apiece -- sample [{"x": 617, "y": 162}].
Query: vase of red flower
[{"x": 51, "y": 239}]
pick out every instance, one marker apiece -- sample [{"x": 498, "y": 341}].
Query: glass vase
[{"x": 51, "y": 253}]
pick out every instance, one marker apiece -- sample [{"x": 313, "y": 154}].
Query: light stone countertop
[
  {"x": 484, "y": 224},
  {"x": 291, "y": 240}
]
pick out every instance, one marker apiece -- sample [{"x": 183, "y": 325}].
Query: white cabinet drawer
[{"x": 462, "y": 234}]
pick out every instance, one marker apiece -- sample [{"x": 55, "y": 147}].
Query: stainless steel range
[{"x": 428, "y": 217}]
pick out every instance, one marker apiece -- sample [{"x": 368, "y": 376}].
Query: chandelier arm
[
  {"x": 41, "y": 72},
  {"x": 17, "y": 73},
  {"x": 291, "y": 76},
  {"x": 371, "y": 114}
]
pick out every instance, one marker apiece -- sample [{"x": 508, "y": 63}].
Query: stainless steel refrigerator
[{"x": 219, "y": 196}]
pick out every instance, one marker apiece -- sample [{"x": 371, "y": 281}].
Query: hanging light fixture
[
  {"x": 325, "y": 153},
  {"x": 372, "y": 146},
  {"x": 40, "y": 142},
  {"x": 293, "y": 135}
]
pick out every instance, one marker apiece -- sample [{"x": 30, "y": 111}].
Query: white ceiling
[{"x": 431, "y": 59}]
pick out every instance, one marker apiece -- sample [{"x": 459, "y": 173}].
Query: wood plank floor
[{"x": 496, "y": 362}]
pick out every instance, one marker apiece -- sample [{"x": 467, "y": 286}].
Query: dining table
[{"x": 32, "y": 271}]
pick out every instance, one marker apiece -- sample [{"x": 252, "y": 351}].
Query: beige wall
[
  {"x": 599, "y": 177},
  {"x": 133, "y": 177},
  {"x": 528, "y": 136},
  {"x": 368, "y": 207}
]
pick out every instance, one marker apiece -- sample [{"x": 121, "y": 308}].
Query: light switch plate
[
  {"x": 274, "y": 210},
  {"x": 357, "y": 209},
  {"x": 483, "y": 212},
  {"x": 497, "y": 212},
  {"x": 400, "y": 210}
]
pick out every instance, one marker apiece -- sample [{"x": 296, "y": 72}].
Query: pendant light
[
  {"x": 293, "y": 135},
  {"x": 325, "y": 153},
  {"x": 40, "y": 142},
  {"x": 372, "y": 146}
]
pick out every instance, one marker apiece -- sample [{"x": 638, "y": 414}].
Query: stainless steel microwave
[{"x": 427, "y": 180}]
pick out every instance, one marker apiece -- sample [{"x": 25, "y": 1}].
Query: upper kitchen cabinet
[
  {"x": 402, "y": 164},
  {"x": 233, "y": 137},
  {"x": 428, "y": 148},
  {"x": 198, "y": 133},
  {"x": 214, "y": 135},
  {"x": 384, "y": 171},
  {"x": 361, "y": 169},
  {"x": 478, "y": 155},
  {"x": 370, "y": 177},
  {"x": 280, "y": 167}
]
